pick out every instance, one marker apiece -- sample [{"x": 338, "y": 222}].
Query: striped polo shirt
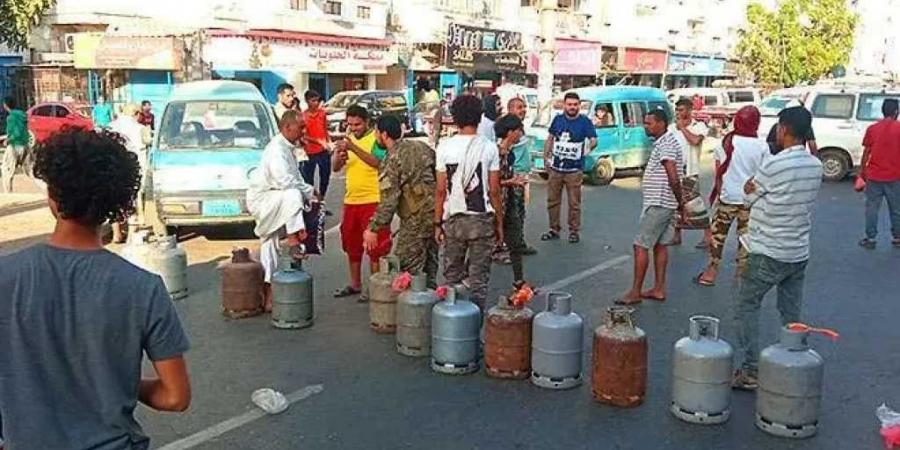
[
  {"x": 655, "y": 184},
  {"x": 781, "y": 207}
]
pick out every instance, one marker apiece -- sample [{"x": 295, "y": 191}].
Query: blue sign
[{"x": 697, "y": 65}]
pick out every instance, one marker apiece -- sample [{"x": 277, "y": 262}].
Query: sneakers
[
  {"x": 744, "y": 380},
  {"x": 867, "y": 243}
]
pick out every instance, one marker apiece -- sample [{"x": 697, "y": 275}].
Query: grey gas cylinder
[
  {"x": 557, "y": 343},
  {"x": 137, "y": 250},
  {"x": 790, "y": 386},
  {"x": 455, "y": 325},
  {"x": 292, "y": 296},
  {"x": 383, "y": 298},
  {"x": 701, "y": 374},
  {"x": 414, "y": 318},
  {"x": 170, "y": 262}
]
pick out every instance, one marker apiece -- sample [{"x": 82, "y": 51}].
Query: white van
[{"x": 841, "y": 116}]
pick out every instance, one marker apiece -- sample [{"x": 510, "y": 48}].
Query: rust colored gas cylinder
[
  {"x": 242, "y": 285},
  {"x": 507, "y": 341},
  {"x": 620, "y": 360},
  {"x": 383, "y": 297}
]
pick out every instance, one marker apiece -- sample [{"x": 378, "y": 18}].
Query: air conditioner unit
[{"x": 69, "y": 42}]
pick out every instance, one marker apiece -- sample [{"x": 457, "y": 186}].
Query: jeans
[
  {"x": 762, "y": 274},
  {"x": 875, "y": 192},
  {"x": 322, "y": 161}
]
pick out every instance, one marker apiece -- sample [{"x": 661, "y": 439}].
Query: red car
[{"x": 45, "y": 119}]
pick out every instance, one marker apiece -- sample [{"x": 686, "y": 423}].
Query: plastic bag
[
  {"x": 269, "y": 400},
  {"x": 890, "y": 426}
]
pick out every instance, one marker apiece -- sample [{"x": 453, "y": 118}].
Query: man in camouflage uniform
[{"x": 407, "y": 185}]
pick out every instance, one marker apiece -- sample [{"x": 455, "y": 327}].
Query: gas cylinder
[
  {"x": 455, "y": 325},
  {"x": 137, "y": 250},
  {"x": 619, "y": 373},
  {"x": 790, "y": 385},
  {"x": 414, "y": 318},
  {"x": 557, "y": 340},
  {"x": 169, "y": 261},
  {"x": 507, "y": 341},
  {"x": 701, "y": 374},
  {"x": 242, "y": 285},
  {"x": 292, "y": 295},
  {"x": 383, "y": 298}
]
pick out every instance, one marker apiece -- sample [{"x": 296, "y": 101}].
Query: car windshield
[
  {"x": 773, "y": 105},
  {"x": 218, "y": 125},
  {"x": 342, "y": 100}
]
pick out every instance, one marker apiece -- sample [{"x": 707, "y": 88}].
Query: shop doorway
[{"x": 319, "y": 82}]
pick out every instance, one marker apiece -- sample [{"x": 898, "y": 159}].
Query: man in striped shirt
[
  {"x": 661, "y": 200},
  {"x": 781, "y": 196}
]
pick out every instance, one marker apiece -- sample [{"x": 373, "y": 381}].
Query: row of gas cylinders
[
  {"x": 548, "y": 348},
  {"x": 162, "y": 257}
]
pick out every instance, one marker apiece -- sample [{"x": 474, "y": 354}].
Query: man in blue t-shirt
[{"x": 571, "y": 137}]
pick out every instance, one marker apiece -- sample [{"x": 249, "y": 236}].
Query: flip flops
[
  {"x": 574, "y": 238},
  {"x": 550, "y": 236},
  {"x": 346, "y": 291},
  {"x": 700, "y": 281}
]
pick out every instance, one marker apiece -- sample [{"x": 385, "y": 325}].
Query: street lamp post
[{"x": 547, "y": 10}]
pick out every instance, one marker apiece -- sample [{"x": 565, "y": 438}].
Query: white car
[{"x": 841, "y": 116}]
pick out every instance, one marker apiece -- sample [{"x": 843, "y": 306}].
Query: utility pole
[{"x": 547, "y": 10}]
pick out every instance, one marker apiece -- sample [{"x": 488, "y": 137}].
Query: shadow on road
[
  {"x": 17, "y": 208},
  {"x": 15, "y": 245}
]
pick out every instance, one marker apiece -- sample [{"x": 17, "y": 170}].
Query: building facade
[{"x": 876, "y": 50}]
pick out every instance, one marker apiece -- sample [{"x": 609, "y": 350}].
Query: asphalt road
[{"x": 356, "y": 392}]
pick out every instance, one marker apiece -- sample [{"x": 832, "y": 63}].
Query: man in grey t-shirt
[{"x": 75, "y": 319}]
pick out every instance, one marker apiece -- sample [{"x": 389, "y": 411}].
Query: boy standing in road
[
  {"x": 509, "y": 130},
  {"x": 571, "y": 137},
  {"x": 468, "y": 210},
  {"x": 662, "y": 200},
  {"x": 361, "y": 199},
  {"x": 781, "y": 198},
  {"x": 881, "y": 171},
  {"x": 76, "y": 320},
  {"x": 315, "y": 143},
  {"x": 406, "y": 183},
  {"x": 16, "y": 143}
]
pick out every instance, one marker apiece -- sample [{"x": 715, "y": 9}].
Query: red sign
[
  {"x": 643, "y": 60},
  {"x": 572, "y": 58}
]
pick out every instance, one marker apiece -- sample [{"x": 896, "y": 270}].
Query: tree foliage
[
  {"x": 16, "y": 19},
  {"x": 801, "y": 40}
]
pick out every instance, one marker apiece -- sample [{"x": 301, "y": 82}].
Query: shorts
[
  {"x": 355, "y": 223},
  {"x": 657, "y": 227}
]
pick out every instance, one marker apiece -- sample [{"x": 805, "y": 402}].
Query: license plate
[{"x": 221, "y": 208}]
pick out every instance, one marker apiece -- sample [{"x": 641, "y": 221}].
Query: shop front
[
  {"x": 485, "y": 57},
  {"x": 634, "y": 66},
  {"x": 693, "y": 70},
  {"x": 129, "y": 69},
  {"x": 576, "y": 63},
  {"x": 327, "y": 64}
]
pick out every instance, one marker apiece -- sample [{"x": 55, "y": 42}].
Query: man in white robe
[
  {"x": 277, "y": 197},
  {"x": 136, "y": 137}
]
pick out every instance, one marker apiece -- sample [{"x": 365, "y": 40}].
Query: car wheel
[
  {"x": 835, "y": 165},
  {"x": 603, "y": 173}
]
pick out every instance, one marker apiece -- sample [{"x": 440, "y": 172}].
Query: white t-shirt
[
  {"x": 748, "y": 155},
  {"x": 474, "y": 157},
  {"x": 691, "y": 152}
]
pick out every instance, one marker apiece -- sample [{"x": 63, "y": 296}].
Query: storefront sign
[
  {"x": 98, "y": 51},
  {"x": 640, "y": 60},
  {"x": 483, "y": 49},
  {"x": 572, "y": 58},
  {"x": 696, "y": 65},
  {"x": 309, "y": 55}
]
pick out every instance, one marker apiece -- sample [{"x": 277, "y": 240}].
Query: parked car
[
  {"x": 44, "y": 119},
  {"x": 841, "y": 116},
  {"x": 377, "y": 103},
  {"x": 210, "y": 138},
  {"x": 739, "y": 97},
  {"x": 623, "y": 144}
]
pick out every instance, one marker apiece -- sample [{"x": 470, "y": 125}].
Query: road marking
[
  {"x": 584, "y": 274},
  {"x": 237, "y": 421}
]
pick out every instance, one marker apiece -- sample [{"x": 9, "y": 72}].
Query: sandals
[
  {"x": 550, "y": 236},
  {"x": 346, "y": 291},
  {"x": 700, "y": 281},
  {"x": 868, "y": 244},
  {"x": 574, "y": 238}
]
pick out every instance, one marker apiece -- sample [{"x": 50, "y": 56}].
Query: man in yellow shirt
[{"x": 362, "y": 197}]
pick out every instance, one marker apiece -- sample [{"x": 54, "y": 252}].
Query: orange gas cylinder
[
  {"x": 507, "y": 340},
  {"x": 620, "y": 360},
  {"x": 242, "y": 285}
]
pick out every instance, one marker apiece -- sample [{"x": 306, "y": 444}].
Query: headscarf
[
  {"x": 746, "y": 122},
  {"x": 490, "y": 107}
]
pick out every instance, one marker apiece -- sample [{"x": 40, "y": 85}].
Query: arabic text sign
[
  {"x": 683, "y": 64},
  {"x": 483, "y": 49},
  {"x": 96, "y": 51}
]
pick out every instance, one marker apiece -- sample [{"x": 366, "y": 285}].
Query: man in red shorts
[{"x": 361, "y": 199}]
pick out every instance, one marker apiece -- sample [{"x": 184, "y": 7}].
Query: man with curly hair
[{"x": 76, "y": 319}]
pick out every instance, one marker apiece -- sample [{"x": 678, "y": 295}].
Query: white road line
[
  {"x": 584, "y": 274},
  {"x": 237, "y": 421}
]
